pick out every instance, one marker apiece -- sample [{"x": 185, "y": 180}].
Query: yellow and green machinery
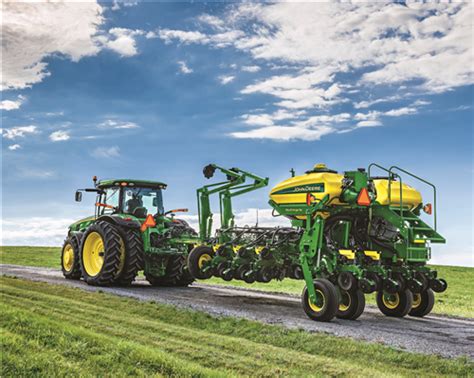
[
  {"x": 351, "y": 234},
  {"x": 130, "y": 231}
]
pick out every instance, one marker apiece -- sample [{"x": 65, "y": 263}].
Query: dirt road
[{"x": 449, "y": 337}]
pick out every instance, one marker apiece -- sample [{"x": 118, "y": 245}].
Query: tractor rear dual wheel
[
  {"x": 70, "y": 264},
  {"x": 177, "y": 273},
  {"x": 110, "y": 255},
  {"x": 132, "y": 261},
  {"x": 102, "y": 255}
]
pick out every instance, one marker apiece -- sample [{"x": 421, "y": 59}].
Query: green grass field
[
  {"x": 50, "y": 330},
  {"x": 458, "y": 300}
]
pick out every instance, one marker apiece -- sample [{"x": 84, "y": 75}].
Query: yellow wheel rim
[
  {"x": 320, "y": 301},
  {"x": 345, "y": 301},
  {"x": 68, "y": 257},
  {"x": 391, "y": 301},
  {"x": 203, "y": 259},
  {"x": 93, "y": 254},
  {"x": 416, "y": 300}
]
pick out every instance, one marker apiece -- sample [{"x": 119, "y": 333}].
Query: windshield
[
  {"x": 142, "y": 201},
  {"x": 110, "y": 198}
]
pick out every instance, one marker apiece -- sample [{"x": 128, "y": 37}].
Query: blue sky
[{"x": 158, "y": 90}]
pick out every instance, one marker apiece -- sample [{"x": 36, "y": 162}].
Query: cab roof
[{"x": 130, "y": 182}]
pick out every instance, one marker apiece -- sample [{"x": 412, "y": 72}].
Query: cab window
[{"x": 112, "y": 198}]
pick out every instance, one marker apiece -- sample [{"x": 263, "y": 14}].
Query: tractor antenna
[{"x": 292, "y": 171}]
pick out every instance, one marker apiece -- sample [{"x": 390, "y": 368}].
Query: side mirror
[
  {"x": 78, "y": 196},
  {"x": 155, "y": 202}
]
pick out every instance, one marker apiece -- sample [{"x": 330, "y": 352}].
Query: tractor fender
[{"x": 120, "y": 221}]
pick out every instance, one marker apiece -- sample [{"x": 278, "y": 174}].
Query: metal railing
[{"x": 392, "y": 174}]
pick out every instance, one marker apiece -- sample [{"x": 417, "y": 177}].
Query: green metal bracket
[
  {"x": 234, "y": 186},
  {"x": 311, "y": 243}
]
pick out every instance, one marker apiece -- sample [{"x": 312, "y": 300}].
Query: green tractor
[
  {"x": 352, "y": 233},
  {"x": 130, "y": 231}
]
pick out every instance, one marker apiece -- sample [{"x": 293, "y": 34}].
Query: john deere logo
[{"x": 311, "y": 188}]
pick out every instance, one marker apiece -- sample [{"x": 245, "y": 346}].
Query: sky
[{"x": 159, "y": 90}]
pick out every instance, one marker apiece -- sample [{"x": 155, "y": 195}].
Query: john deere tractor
[
  {"x": 130, "y": 231},
  {"x": 351, "y": 234}
]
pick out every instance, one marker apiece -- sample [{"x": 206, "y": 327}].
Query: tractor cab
[{"x": 137, "y": 198}]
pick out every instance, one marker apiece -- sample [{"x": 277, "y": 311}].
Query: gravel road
[{"x": 445, "y": 336}]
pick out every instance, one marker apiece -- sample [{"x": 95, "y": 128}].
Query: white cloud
[
  {"x": 151, "y": 35},
  {"x": 369, "y": 123},
  {"x": 401, "y": 112},
  {"x": 59, "y": 136},
  {"x": 19, "y": 132},
  {"x": 54, "y": 114},
  {"x": 421, "y": 103},
  {"x": 116, "y": 4},
  {"x": 34, "y": 31},
  {"x": 183, "y": 67},
  {"x": 269, "y": 119},
  {"x": 116, "y": 124},
  {"x": 122, "y": 41},
  {"x": 369, "y": 103},
  {"x": 250, "y": 68},
  {"x": 106, "y": 152},
  {"x": 327, "y": 52},
  {"x": 217, "y": 40},
  {"x": 212, "y": 21},
  {"x": 34, "y": 231},
  {"x": 226, "y": 79},
  {"x": 14, "y": 147},
  {"x": 12, "y": 104},
  {"x": 285, "y": 133},
  {"x": 168, "y": 36}
]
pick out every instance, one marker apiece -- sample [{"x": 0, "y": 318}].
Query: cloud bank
[{"x": 329, "y": 55}]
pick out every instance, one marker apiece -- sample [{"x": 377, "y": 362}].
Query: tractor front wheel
[
  {"x": 422, "y": 303},
  {"x": 198, "y": 259},
  {"x": 325, "y": 306},
  {"x": 395, "y": 304},
  {"x": 70, "y": 264},
  {"x": 102, "y": 254},
  {"x": 351, "y": 304}
]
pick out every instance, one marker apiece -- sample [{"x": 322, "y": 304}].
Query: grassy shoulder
[
  {"x": 81, "y": 333},
  {"x": 458, "y": 300}
]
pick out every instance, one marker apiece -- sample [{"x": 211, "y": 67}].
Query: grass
[
  {"x": 68, "y": 331},
  {"x": 458, "y": 300}
]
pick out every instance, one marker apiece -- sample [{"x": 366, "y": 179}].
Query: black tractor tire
[
  {"x": 195, "y": 259},
  {"x": 352, "y": 304},
  {"x": 395, "y": 304},
  {"x": 113, "y": 250},
  {"x": 422, "y": 303},
  {"x": 329, "y": 301},
  {"x": 177, "y": 274},
  {"x": 133, "y": 257},
  {"x": 73, "y": 271}
]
